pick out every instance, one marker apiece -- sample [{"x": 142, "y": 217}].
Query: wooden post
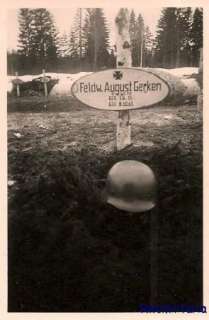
[
  {"x": 17, "y": 85},
  {"x": 45, "y": 88},
  {"x": 123, "y": 138},
  {"x": 154, "y": 234},
  {"x": 45, "y": 83}
]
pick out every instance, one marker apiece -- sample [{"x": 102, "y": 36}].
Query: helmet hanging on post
[{"x": 131, "y": 186}]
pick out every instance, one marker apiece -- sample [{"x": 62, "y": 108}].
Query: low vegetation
[{"x": 70, "y": 251}]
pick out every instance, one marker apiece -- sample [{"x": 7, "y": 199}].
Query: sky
[{"x": 63, "y": 19}]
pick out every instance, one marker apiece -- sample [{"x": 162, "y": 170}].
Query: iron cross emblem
[{"x": 118, "y": 75}]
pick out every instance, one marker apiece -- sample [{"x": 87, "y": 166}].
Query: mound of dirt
[{"x": 71, "y": 252}]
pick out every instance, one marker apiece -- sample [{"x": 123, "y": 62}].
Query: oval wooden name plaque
[{"x": 120, "y": 89}]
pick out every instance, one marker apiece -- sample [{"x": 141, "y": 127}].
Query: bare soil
[{"x": 69, "y": 251}]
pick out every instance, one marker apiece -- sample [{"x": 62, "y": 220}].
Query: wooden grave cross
[
  {"x": 45, "y": 79},
  {"x": 17, "y": 81},
  {"x": 123, "y": 59}
]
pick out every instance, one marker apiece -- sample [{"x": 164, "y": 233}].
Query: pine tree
[
  {"x": 25, "y": 21},
  {"x": 140, "y": 39},
  {"x": 63, "y": 45},
  {"x": 173, "y": 37},
  {"x": 148, "y": 47},
  {"x": 77, "y": 38},
  {"x": 38, "y": 36},
  {"x": 44, "y": 37},
  {"x": 183, "y": 26},
  {"x": 165, "y": 54},
  {"x": 73, "y": 46},
  {"x": 132, "y": 25},
  {"x": 196, "y": 35},
  {"x": 97, "y": 38},
  {"x": 133, "y": 38}
]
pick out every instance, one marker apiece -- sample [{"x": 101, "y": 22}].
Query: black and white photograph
[{"x": 105, "y": 159}]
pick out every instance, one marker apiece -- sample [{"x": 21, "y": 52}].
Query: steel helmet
[{"x": 131, "y": 186}]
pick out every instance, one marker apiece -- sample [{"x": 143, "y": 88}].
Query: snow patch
[
  {"x": 183, "y": 72},
  {"x": 192, "y": 87},
  {"x": 63, "y": 87}
]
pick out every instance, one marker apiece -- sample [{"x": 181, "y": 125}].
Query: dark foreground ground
[{"x": 70, "y": 251}]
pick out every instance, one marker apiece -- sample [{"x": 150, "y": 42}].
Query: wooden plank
[
  {"x": 45, "y": 84},
  {"x": 123, "y": 138},
  {"x": 17, "y": 85}
]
